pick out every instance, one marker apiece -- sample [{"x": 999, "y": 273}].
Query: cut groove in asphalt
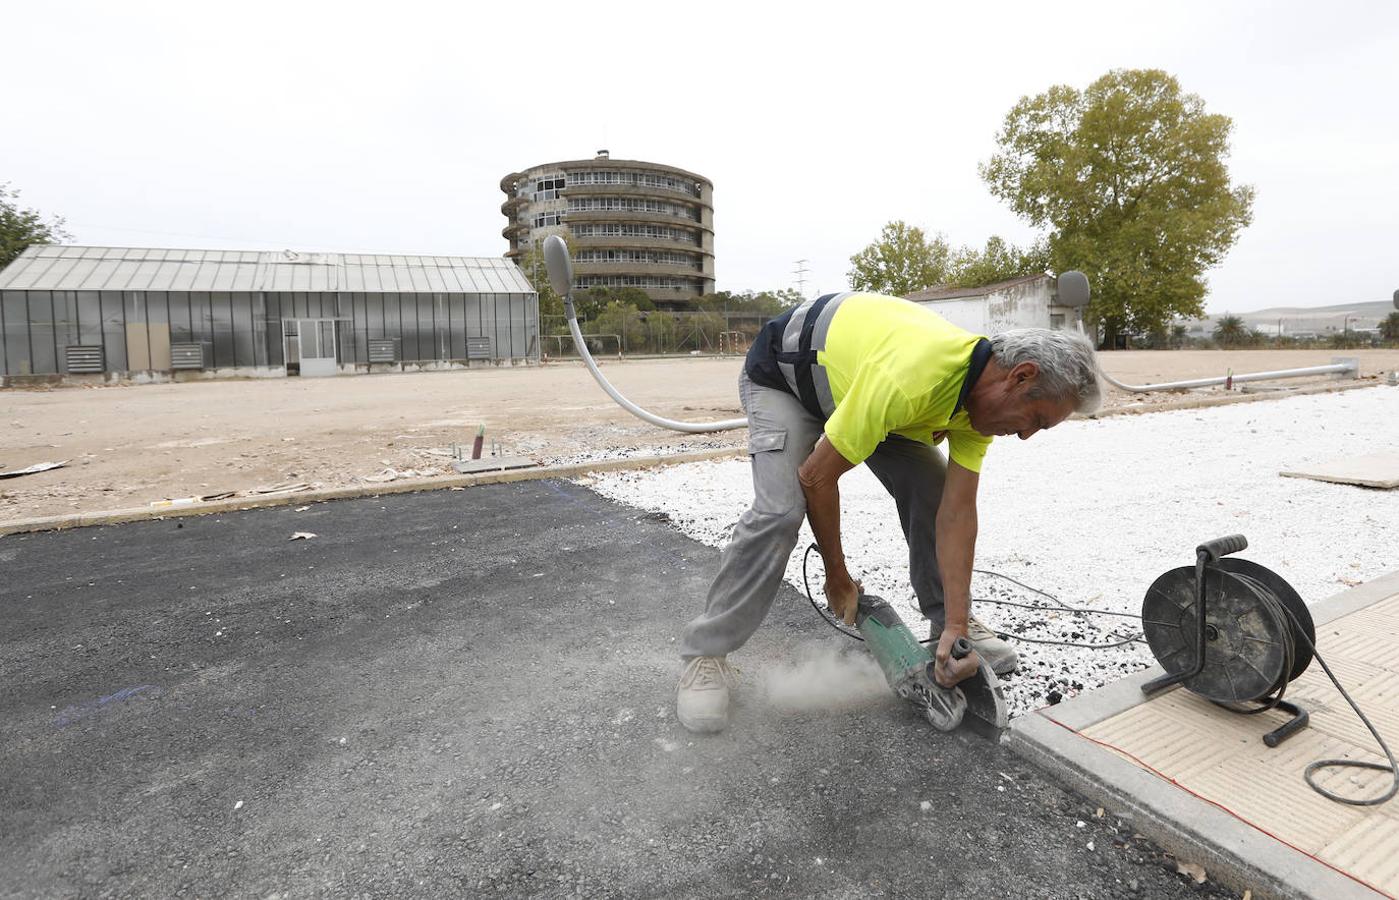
[{"x": 471, "y": 692}]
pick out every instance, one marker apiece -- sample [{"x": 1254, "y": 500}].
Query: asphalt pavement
[{"x": 468, "y": 693}]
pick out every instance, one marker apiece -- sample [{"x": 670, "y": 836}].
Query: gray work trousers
[{"x": 781, "y": 435}]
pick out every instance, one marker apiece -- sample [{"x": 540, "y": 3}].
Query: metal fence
[{"x": 656, "y": 333}]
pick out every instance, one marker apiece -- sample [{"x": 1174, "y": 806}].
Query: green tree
[
  {"x": 1129, "y": 175},
  {"x": 1389, "y": 327},
  {"x": 999, "y": 261},
  {"x": 781, "y": 299},
  {"x": 902, "y": 261},
  {"x": 636, "y": 297},
  {"x": 591, "y": 302},
  {"x": 765, "y": 303},
  {"x": 21, "y": 228},
  {"x": 624, "y": 320},
  {"x": 1230, "y": 331}
]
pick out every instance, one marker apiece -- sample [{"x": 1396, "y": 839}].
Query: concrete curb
[
  {"x": 572, "y": 470},
  {"x": 1234, "y": 853}
]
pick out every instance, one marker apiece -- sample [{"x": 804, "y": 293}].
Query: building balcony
[
  {"x": 621, "y": 268},
  {"x": 616, "y": 242},
  {"x": 615, "y": 216},
  {"x": 626, "y": 190}
]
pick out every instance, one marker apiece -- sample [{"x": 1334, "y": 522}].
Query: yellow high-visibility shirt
[{"x": 897, "y": 368}]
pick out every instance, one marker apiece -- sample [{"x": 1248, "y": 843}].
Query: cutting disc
[
  {"x": 1245, "y": 647},
  {"x": 987, "y": 713}
]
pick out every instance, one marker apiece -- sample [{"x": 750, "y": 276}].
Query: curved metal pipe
[
  {"x": 560, "y": 269},
  {"x": 673, "y": 424},
  {"x": 1339, "y": 367},
  {"x": 1333, "y": 369}
]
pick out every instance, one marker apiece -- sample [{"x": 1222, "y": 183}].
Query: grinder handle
[
  {"x": 1222, "y": 546},
  {"x": 961, "y": 647}
]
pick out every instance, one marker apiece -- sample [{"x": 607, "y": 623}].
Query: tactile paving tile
[
  {"x": 1220, "y": 755},
  {"x": 1366, "y": 851}
]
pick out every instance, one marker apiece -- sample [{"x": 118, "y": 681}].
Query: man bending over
[{"x": 862, "y": 378}]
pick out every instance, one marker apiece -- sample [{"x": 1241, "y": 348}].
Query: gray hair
[{"x": 1068, "y": 366}]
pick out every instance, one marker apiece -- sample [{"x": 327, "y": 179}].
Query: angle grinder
[{"x": 977, "y": 702}]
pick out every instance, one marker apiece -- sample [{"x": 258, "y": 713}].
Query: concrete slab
[
  {"x": 1199, "y": 780},
  {"x": 492, "y": 464},
  {"x": 1377, "y": 470}
]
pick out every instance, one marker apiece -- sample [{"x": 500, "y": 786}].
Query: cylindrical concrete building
[{"x": 631, "y": 224}]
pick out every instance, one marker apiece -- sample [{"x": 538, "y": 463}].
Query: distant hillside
[
  {"x": 1302, "y": 320},
  {"x": 1373, "y": 309}
]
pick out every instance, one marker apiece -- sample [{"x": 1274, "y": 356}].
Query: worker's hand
[
  {"x": 843, "y": 598},
  {"x": 948, "y": 672}
]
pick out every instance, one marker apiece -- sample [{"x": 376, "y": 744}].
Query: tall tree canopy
[
  {"x": 1129, "y": 177},
  {"x": 20, "y": 228},
  {"x": 999, "y": 261},
  {"x": 902, "y": 261}
]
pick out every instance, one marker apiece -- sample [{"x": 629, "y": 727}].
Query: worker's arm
[
  {"x": 955, "y": 538},
  {"x": 818, "y": 476}
]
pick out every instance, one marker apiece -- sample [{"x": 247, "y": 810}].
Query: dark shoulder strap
[{"x": 981, "y": 355}]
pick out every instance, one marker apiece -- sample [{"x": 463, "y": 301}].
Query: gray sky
[{"x": 346, "y": 126}]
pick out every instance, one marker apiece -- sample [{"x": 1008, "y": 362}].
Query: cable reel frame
[{"x": 1232, "y": 631}]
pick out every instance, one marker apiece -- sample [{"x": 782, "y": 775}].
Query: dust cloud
[{"x": 825, "y": 675}]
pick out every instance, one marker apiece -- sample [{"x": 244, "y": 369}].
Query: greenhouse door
[{"x": 316, "y": 338}]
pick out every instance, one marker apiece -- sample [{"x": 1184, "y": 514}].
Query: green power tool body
[{"x": 908, "y": 667}]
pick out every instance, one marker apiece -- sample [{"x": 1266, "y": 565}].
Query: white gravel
[{"x": 1094, "y": 511}]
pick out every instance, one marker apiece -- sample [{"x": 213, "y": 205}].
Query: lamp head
[
  {"x": 1073, "y": 288},
  {"x": 558, "y": 264}
]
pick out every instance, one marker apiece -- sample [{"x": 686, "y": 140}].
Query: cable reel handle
[{"x": 1222, "y": 546}]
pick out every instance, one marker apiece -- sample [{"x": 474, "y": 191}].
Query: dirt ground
[{"x": 129, "y": 446}]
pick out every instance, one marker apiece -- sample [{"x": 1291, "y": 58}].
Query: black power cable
[
  {"x": 1283, "y": 620},
  {"x": 855, "y": 635},
  {"x": 1309, "y": 773}
]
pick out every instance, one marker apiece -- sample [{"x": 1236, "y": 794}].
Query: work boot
[
  {"x": 999, "y": 655},
  {"x": 702, "y": 700}
]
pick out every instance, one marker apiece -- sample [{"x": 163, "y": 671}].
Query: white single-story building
[{"x": 1027, "y": 302}]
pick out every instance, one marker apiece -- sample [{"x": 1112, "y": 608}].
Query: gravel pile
[{"x": 1093, "y": 511}]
